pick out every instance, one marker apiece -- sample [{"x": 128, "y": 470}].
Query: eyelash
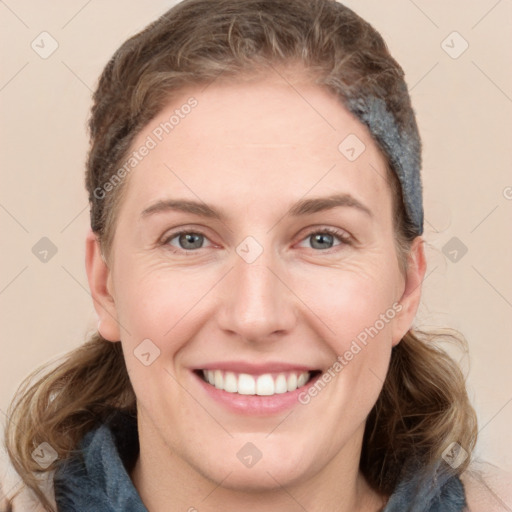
[{"x": 342, "y": 236}]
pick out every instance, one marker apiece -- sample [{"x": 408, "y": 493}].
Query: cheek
[
  {"x": 354, "y": 311},
  {"x": 163, "y": 310},
  {"x": 159, "y": 309},
  {"x": 155, "y": 299},
  {"x": 348, "y": 300}
]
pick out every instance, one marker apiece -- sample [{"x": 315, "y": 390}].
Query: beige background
[{"x": 464, "y": 110}]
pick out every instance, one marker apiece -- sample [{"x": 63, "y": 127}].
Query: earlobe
[
  {"x": 411, "y": 295},
  {"x": 99, "y": 276}
]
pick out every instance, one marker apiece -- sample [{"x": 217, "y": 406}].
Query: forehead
[{"x": 257, "y": 142}]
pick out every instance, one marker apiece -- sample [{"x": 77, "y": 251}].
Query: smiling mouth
[{"x": 267, "y": 384}]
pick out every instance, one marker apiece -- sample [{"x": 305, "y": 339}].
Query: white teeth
[
  {"x": 219, "y": 380},
  {"x": 263, "y": 385},
  {"x": 281, "y": 386},
  {"x": 246, "y": 384},
  {"x": 292, "y": 382},
  {"x": 230, "y": 382}
]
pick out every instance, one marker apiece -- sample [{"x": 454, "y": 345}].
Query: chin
[
  {"x": 264, "y": 475},
  {"x": 263, "y": 480}
]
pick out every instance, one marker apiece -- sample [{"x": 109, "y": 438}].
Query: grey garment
[
  {"x": 96, "y": 478},
  {"x": 433, "y": 491}
]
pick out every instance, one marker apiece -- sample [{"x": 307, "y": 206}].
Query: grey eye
[
  {"x": 188, "y": 241},
  {"x": 321, "y": 240}
]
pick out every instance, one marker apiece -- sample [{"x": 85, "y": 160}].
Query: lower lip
[{"x": 255, "y": 405}]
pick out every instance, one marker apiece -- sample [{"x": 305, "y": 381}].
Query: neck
[{"x": 166, "y": 482}]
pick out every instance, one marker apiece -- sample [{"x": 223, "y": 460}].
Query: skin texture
[{"x": 251, "y": 150}]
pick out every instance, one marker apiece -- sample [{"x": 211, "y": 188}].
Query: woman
[{"x": 255, "y": 260}]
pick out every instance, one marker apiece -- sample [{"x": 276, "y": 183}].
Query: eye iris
[
  {"x": 188, "y": 238},
  {"x": 195, "y": 240},
  {"x": 321, "y": 238}
]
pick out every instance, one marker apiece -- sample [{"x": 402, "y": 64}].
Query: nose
[{"x": 258, "y": 305}]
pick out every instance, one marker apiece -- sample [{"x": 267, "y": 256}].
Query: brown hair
[{"x": 423, "y": 405}]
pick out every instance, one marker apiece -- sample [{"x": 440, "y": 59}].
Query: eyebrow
[{"x": 298, "y": 209}]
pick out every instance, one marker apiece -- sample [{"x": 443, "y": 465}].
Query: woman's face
[{"x": 286, "y": 268}]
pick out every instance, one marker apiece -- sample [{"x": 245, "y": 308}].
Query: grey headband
[{"x": 402, "y": 146}]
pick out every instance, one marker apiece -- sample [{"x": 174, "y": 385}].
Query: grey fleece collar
[{"x": 96, "y": 479}]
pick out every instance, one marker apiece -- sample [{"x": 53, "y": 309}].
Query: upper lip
[{"x": 256, "y": 368}]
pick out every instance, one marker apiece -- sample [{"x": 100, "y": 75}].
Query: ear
[
  {"x": 410, "y": 300},
  {"x": 100, "y": 284}
]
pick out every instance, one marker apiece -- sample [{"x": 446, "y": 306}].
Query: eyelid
[
  {"x": 343, "y": 236},
  {"x": 168, "y": 236}
]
